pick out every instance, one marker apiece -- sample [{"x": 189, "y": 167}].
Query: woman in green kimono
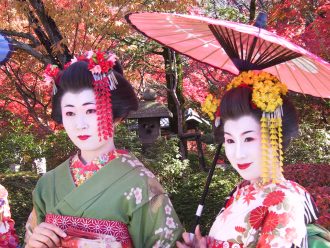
[{"x": 100, "y": 197}]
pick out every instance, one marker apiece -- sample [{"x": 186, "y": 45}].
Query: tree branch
[
  {"x": 208, "y": 74},
  {"x": 28, "y": 49},
  {"x": 42, "y": 37},
  {"x": 52, "y": 30},
  {"x": 21, "y": 34},
  {"x": 17, "y": 83}
]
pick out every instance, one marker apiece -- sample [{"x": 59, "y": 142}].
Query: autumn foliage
[
  {"x": 304, "y": 23},
  {"x": 317, "y": 182}
]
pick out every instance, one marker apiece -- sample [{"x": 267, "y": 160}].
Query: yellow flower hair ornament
[
  {"x": 210, "y": 105},
  {"x": 266, "y": 89}
]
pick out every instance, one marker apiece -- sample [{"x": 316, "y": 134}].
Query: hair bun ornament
[
  {"x": 50, "y": 74},
  {"x": 267, "y": 90},
  {"x": 217, "y": 120},
  {"x": 267, "y": 95}
]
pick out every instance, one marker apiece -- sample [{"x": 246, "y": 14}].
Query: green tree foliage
[
  {"x": 17, "y": 145},
  {"x": 312, "y": 144}
]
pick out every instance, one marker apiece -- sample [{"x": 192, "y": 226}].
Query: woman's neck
[
  {"x": 259, "y": 181},
  {"x": 87, "y": 156}
]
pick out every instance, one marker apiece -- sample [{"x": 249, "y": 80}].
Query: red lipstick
[
  {"x": 243, "y": 166},
  {"x": 83, "y": 137}
]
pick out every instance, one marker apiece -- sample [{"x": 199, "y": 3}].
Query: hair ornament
[
  {"x": 267, "y": 89},
  {"x": 267, "y": 95},
  {"x": 217, "y": 120},
  {"x": 99, "y": 63},
  {"x": 210, "y": 105},
  {"x": 50, "y": 74}
]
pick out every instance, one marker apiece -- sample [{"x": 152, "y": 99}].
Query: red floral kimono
[{"x": 273, "y": 215}]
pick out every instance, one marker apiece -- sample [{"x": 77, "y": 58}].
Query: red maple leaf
[{"x": 249, "y": 197}]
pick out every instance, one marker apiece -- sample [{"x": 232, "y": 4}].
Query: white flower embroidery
[
  {"x": 138, "y": 162},
  {"x": 131, "y": 163},
  {"x": 147, "y": 172},
  {"x": 170, "y": 222},
  {"x": 138, "y": 195},
  {"x": 168, "y": 209},
  {"x": 168, "y": 234},
  {"x": 236, "y": 246},
  {"x": 129, "y": 195},
  {"x": 225, "y": 245},
  {"x": 159, "y": 230}
]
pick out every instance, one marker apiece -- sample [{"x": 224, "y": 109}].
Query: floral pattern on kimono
[
  {"x": 272, "y": 215},
  {"x": 166, "y": 230},
  {"x": 89, "y": 232},
  {"x": 81, "y": 172},
  {"x": 8, "y": 237}
]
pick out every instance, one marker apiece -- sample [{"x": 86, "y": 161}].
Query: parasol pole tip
[{"x": 261, "y": 21}]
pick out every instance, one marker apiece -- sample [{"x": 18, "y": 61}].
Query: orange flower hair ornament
[
  {"x": 267, "y": 93},
  {"x": 101, "y": 66}
]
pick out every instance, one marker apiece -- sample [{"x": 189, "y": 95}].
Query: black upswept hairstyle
[
  {"x": 237, "y": 102},
  {"x": 77, "y": 77}
]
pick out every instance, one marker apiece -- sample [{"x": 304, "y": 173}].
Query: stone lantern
[{"x": 148, "y": 115}]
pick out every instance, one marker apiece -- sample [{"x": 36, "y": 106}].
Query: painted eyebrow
[
  {"x": 250, "y": 131},
  {"x": 88, "y": 103},
  {"x": 85, "y": 104}
]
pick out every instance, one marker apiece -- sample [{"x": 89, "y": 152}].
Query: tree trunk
[
  {"x": 176, "y": 125},
  {"x": 174, "y": 81}
]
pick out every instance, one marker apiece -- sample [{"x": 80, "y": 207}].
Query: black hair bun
[{"x": 118, "y": 68}]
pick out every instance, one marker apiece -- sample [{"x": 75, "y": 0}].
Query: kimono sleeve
[
  {"x": 39, "y": 204},
  {"x": 284, "y": 224},
  {"x": 155, "y": 224}
]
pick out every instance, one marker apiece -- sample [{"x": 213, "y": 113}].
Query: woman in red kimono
[
  {"x": 8, "y": 237},
  {"x": 101, "y": 196},
  {"x": 256, "y": 121}
]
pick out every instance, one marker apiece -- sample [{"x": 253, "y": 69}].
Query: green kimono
[{"x": 123, "y": 190}]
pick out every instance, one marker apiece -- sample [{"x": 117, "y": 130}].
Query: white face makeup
[
  {"x": 243, "y": 146},
  {"x": 80, "y": 122}
]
